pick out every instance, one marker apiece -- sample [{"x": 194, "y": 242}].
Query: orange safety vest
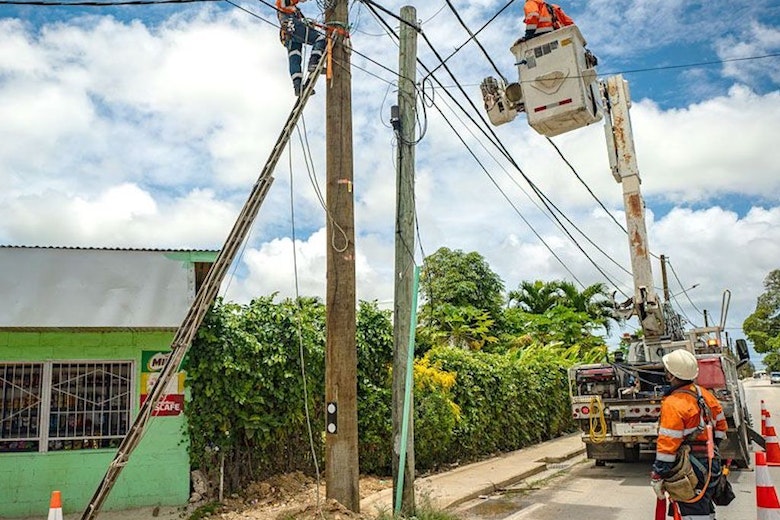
[
  {"x": 681, "y": 417},
  {"x": 539, "y": 17},
  {"x": 287, "y": 6}
]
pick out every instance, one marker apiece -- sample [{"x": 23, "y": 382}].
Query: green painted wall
[{"x": 158, "y": 470}]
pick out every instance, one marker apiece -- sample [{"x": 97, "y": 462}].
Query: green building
[{"x": 83, "y": 332}]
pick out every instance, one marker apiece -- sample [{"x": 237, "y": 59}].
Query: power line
[
  {"x": 574, "y": 171},
  {"x": 473, "y": 36},
  {"x": 683, "y": 287},
  {"x": 90, "y": 3},
  {"x": 692, "y": 65},
  {"x": 495, "y": 140}
]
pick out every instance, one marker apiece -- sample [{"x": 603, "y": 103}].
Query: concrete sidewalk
[{"x": 449, "y": 489}]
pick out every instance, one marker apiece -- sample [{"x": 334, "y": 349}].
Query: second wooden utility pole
[
  {"x": 341, "y": 441},
  {"x": 404, "y": 125}
]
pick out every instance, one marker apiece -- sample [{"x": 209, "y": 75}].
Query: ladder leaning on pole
[{"x": 203, "y": 300}]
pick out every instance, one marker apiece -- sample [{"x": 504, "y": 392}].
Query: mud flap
[{"x": 756, "y": 437}]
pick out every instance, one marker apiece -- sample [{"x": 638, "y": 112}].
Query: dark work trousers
[
  {"x": 296, "y": 33},
  {"x": 703, "y": 509}
]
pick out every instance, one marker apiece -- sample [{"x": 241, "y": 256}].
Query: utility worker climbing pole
[
  {"x": 541, "y": 18},
  {"x": 692, "y": 425},
  {"x": 294, "y": 31}
]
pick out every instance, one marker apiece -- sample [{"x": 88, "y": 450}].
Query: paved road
[{"x": 580, "y": 490}]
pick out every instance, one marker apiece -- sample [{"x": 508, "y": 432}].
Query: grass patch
[
  {"x": 425, "y": 511},
  {"x": 205, "y": 511}
]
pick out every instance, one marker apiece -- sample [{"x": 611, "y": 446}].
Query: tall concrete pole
[
  {"x": 404, "y": 259},
  {"x": 341, "y": 442}
]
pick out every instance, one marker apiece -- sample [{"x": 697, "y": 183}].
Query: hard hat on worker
[{"x": 681, "y": 364}]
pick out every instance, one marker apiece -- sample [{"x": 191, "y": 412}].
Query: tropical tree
[
  {"x": 534, "y": 297},
  {"x": 594, "y": 301},
  {"x": 762, "y": 327},
  {"x": 539, "y": 297},
  {"x": 460, "y": 279}
]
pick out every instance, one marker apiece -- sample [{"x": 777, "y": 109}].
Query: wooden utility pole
[
  {"x": 664, "y": 279},
  {"x": 341, "y": 442},
  {"x": 404, "y": 125}
]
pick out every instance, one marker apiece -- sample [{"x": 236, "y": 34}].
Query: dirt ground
[{"x": 292, "y": 496}]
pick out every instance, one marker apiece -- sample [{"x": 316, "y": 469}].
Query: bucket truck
[{"x": 617, "y": 404}]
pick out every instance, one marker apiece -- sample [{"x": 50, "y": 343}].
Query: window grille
[
  {"x": 64, "y": 406},
  {"x": 20, "y": 406}
]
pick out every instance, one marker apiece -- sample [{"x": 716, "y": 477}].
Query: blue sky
[{"x": 145, "y": 126}]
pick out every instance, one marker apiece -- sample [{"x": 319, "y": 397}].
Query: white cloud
[{"x": 125, "y": 134}]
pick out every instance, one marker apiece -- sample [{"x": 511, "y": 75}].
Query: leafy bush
[{"x": 247, "y": 393}]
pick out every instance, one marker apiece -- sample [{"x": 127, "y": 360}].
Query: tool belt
[{"x": 681, "y": 484}]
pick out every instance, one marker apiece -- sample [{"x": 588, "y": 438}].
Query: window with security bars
[
  {"x": 20, "y": 406},
  {"x": 64, "y": 406}
]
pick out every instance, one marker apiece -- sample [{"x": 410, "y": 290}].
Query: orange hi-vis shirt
[
  {"x": 538, "y": 18},
  {"x": 680, "y": 417},
  {"x": 287, "y": 6}
]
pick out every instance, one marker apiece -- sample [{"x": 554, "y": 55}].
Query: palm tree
[
  {"x": 538, "y": 297},
  {"x": 594, "y": 300},
  {"x": 534, "y": 297}
]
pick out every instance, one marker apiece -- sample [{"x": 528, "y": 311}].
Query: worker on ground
[
  {"x": 294, "y": 31},
  {"x": 682, "y": 465},
  {"x": 542, "y": 18}
]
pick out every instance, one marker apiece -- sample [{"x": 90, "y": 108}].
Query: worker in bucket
[
  {"x": 692, "y": 424},
  {"x": 542, "y": 18},
  {"x": 294, "y": 31}
]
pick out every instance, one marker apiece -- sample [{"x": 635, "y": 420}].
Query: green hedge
[{"x": 247, "y": 394}]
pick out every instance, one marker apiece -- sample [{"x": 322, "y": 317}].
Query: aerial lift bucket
[
  {"x": 558, "y": 81},
  {"x": 556, "y": 85}
]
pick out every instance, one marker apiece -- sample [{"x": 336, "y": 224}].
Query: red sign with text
[{"x": 171, "y": 404}]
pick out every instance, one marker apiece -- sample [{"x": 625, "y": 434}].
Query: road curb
[{"x": 503, "y": 484}]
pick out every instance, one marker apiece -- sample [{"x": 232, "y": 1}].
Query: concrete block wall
[{"x": 158, "y": 470}]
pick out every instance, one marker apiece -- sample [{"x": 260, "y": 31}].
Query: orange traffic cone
[
  {"x": 55, "y": 506},
  {"x": 772, "y": 446},
  {"x": 766, "y": 496},
  {"x": 764, "y": 415}
]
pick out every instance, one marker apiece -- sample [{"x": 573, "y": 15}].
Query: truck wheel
[{"x": 601, "y": 463}]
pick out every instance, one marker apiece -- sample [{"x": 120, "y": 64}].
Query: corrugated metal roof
[{"x": 154, "y": 249}]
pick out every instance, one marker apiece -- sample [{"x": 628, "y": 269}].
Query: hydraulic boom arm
[{"x": 622, "y": 159}]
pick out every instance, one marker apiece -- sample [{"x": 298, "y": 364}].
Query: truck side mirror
[{"x": 742, "y": 350}]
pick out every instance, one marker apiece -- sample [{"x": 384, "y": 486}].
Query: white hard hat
[{"x": 681, "y": 364}]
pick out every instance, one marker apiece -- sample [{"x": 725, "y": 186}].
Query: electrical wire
[
  {"x": 92, "y": 3},
  {"x": 682, "y": 287},
  {"x": 506, "y": 197},
  {"x": 473, "y": 36},
  {"x": 693, "y": 65},
  {"x": 457, "y": 15},
  {"x": 304, "y": 139},
  {"x": 582, "y": 181},
  {"x": 298, "y": 320},
  {"x": 533, "y": 201},
  {"x": 276, "y": 25},
  {"x": 493, "y": 137},
  {"x": 458, "y": 48}
]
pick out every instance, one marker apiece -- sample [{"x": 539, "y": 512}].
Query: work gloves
[{"x": 657, "y": 483}]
